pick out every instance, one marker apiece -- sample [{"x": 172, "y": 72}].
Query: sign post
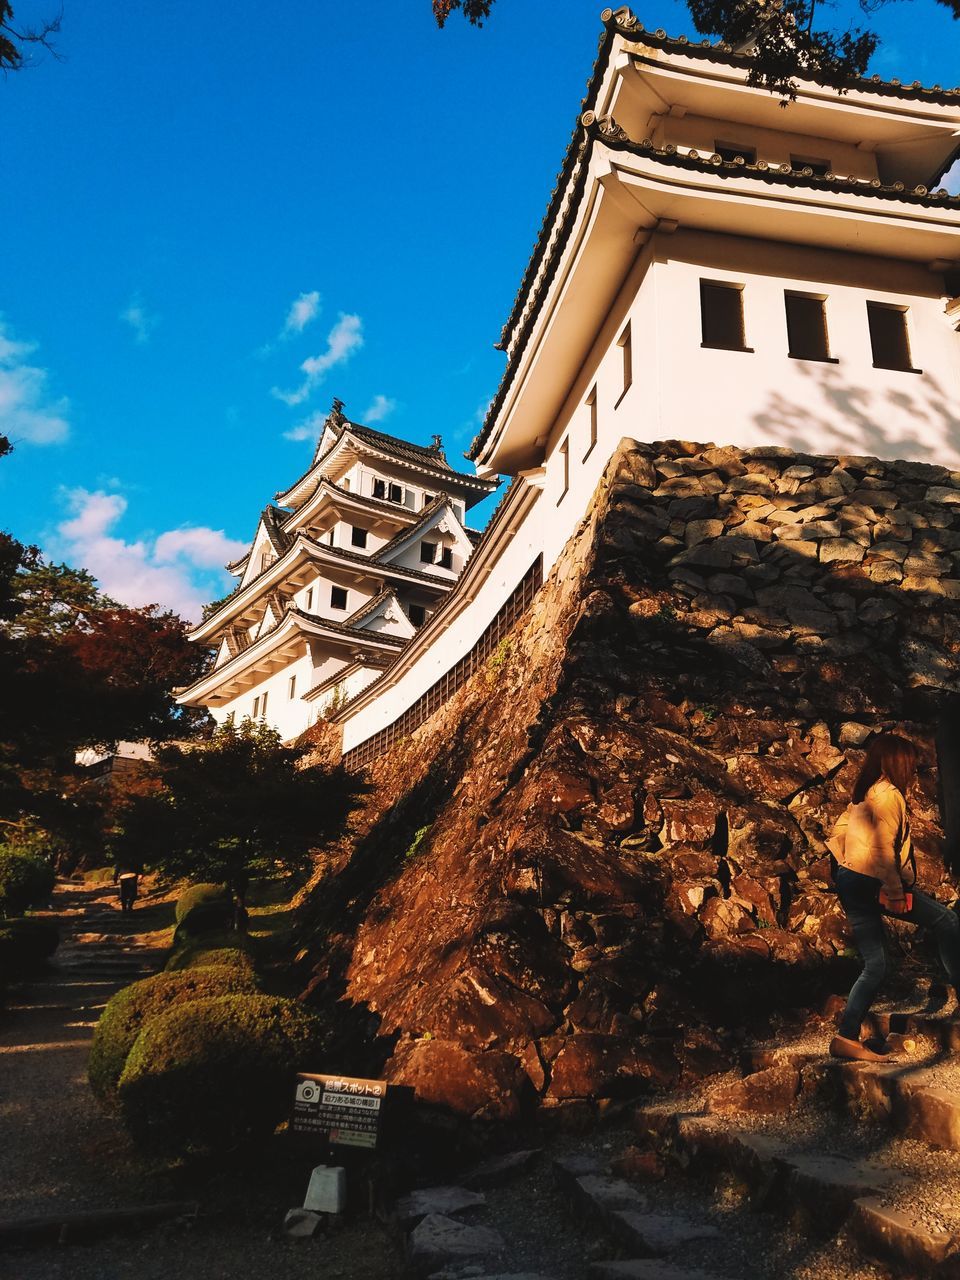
[{"x": 343, "y": 1108}]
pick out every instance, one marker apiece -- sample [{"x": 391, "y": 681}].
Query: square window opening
[
  {"x": 358, "y": 537},
  {"x": 889, "y": 337},
  {"x": 338, "y": 597},
  {"x": 807, "y": 336},
  {"x": 417, "y": 614},
  {"x": 721, "y": 316},
  {"x": 732, "y": 151},
  {"x": 428, "y": 552}
]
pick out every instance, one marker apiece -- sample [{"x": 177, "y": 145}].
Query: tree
[
  {"x": 239, "y": 805},
  {"x": 15, "y": 38},
  {"x": 787, "y": 44},
  {"x": 53, "y": 599}
]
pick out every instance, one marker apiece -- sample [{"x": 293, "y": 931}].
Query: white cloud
[
  {"x": 309, "y": 429},
  {"x": 139, "y": 319},
  {"x": 302, "y": 311},
  {"x": 172, "y": 570},
  {"x": 343, "y": 340},
  {"x": 379, "y": 408},
  {"x": 951, "y": 179},
  {"x": 28, "y": 412}
]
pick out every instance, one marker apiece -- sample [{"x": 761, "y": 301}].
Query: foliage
[
  {"x": 12, "y": 42},
  {"x": 130, "y": 1009},
  {"x": 196, "y": 895},
  {"x": 25, "y": 943},
  {"x": 786, "y": 45},
  {"x": 229, "y": 950},
  {"x": 417, "y": 841},
  {"x": 53, "y": 599},
  {"x": 212, "y": 1074},
  {"x": 237, "y": 806},
  {"x": 215, "y": 606},
  {"x": 25, "y": 881}
]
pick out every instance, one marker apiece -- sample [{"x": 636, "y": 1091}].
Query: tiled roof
[
  {"x": 370, "y": 607},
  {"x": 624, "y": 23},
  {"x": 345, "y": 628},
  {"x": 272, "y": 519},
  {"x": 433, "y": 455},
  {"x": 410, "y": 531}
]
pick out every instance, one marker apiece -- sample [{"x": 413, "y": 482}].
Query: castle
[{"x": 713, "y": 265}]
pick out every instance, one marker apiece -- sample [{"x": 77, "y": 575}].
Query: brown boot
[{"x": 855, "y": 1051}]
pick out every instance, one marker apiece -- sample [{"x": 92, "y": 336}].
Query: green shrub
[
  {"x": 25, "y": 944},
  {"x": 227, "y": 949},
  {"x": 128, "y": 1011},
  {"x": 197, "y": 894},
  {"x": 25, "y": 881},
  {"x": 207, "y": 1076},
  {"x": 203, "y": 908}
]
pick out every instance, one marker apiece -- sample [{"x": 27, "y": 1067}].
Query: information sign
[{"x": 344, "y": 1108}]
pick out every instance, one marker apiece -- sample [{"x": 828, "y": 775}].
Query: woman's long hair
[{"x": 888, "y": 756}]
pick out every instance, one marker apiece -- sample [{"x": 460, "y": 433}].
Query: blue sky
[{"x": 218, "y": 217}]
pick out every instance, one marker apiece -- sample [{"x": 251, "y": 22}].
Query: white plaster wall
[
  {"x": 457, "y": 640},
  {"x": 772, "y": 145},
  {"x": 289, "y": 716},
  {"x": 767, "y": 397}
]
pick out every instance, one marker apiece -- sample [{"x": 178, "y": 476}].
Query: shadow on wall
[{"x": 857, "y": 419}]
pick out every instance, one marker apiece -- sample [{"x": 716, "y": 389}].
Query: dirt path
[{"x": 59, "y": 1151}]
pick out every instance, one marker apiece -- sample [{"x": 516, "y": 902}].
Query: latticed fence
[{"x": 448, "y": 684}]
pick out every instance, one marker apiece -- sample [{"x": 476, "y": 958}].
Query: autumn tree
[{"x": 237, "y": 806}]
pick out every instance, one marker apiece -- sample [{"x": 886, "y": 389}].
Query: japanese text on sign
[{"x": 346, "y": 1109}]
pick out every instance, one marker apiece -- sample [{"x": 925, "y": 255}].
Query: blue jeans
[{"x": 858, "y": 897}]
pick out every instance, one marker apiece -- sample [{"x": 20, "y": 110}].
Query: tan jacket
[{"x": 873, "y": 837}]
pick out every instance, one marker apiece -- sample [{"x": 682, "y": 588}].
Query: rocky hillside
[{"x": 603, "y": 859}]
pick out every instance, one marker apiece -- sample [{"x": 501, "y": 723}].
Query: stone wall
[{"x": 603, "y": 860}]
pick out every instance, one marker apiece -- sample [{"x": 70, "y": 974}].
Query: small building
[
  {"x": 346, "y": 565},
  {"x": 113, "y": 764}
]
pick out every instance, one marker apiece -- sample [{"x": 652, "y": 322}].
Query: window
[
  {"x": 395, "y": 493},
  {"x": 592, "y": 410},
  {"x": 731, "y": 151},
  {"x": 428, "y": 552},
  {"x": 338, "y": 597},
  {"x": 564, "y": 452},
  {"x": 626, "y": 347},
  {"x": 256, "y": 707},
  {"x": 820, "y": 167},
  {"x": 721, "y": 316},
  {"x": 417, "y": 614},
  {"x": 446, "y": 558},
  {"x": 888, "y": 337},
  {"x": 428, "y": 498},
  {"x": 379, "y": 488},
  {"x": 309, "y": 600},
  {"x": 263, "y": 705},
  {"x": 807, "y": 327},
  {"x": 291, "y": 686},
  {"x": 345, "y": 484},
  {"x": 332, "y": 536},
  {"x": 358, "y": 537}
]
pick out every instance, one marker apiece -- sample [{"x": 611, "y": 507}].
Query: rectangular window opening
[
  {"x": 358, "y": 537},
  {"x": 263, "y": 705},
  {"x": 309, "y": 599},
  {"x": 446, "y": 558},
  {"x": 889, "y": 338},
  {"x": 625, "y": 343},
  {"x": 427, "y": 499},
  {"x": 395, "y": 493},
  {"x": 564, "y": 452},
  {"x": 731, "y": 151},
  {"x": 428, "y": 552},
  {"x": 820, "y": 167},
  {"x": 338, "y": 597},
  {"x": 379, "y": 488},
  {"x": 292, "y": 687},
  {"x": 256, "y": 707},
  {"x": 807, "y": 336},
  {"x": 721, "y": 316},
  {"x": 591, "y": 422},
  {"x": 417, "y": 614}
]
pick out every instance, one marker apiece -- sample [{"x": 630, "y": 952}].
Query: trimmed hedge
[
  {"x": 128, "y": 1011},
  {"x": 203, "y": 909},
  {"x": 197, "y": 894},
  {"x": 230, "y": 950},
  {"x": 207, "y": 1076},
  {"x": 25, "y": 881},
  {"x": 26, "y": 943}
]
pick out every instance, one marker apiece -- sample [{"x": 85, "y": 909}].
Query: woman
[{"x": 875, "y": 877}]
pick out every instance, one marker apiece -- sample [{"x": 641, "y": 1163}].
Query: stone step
[
  {"x": 644, "y": 1269},
  {"x": 818, "y": 1193},
  {"x": 944, "y": 1032},
  {"x": 910, "y": 1099}
]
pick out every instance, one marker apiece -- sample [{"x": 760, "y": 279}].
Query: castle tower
[{"x": 346, "y": 567}]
